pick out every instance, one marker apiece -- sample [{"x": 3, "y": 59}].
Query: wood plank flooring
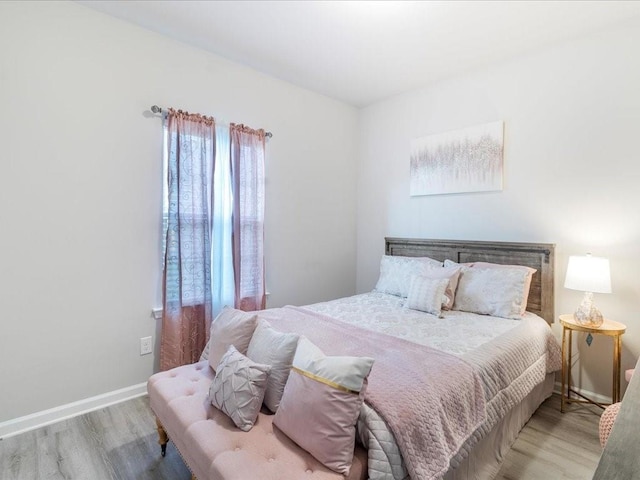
[
  {"x": 114, "y": 443},
  {"x": 120, "y": 443},
  {"x": 554, "y": 445}
]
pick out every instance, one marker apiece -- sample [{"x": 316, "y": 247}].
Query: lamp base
[{"x": 587, "y": 313}]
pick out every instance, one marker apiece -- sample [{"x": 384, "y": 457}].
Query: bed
[
  {"x": 475, "y": 341},
  {"x": 454, "y": 418}
]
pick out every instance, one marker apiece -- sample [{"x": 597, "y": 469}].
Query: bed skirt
[{"x": 486, "y": 458}]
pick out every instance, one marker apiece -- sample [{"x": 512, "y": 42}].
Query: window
[
  {"x": 216, "y": 217},
  {"x": 186, "y": 243}
]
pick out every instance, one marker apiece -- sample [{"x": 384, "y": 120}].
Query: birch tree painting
[{"x": 467, "y": 160}]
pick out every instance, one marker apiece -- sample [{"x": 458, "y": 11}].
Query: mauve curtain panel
[
  {"x": 247, "y": 179},
  {"x": 187, "y": 267}
]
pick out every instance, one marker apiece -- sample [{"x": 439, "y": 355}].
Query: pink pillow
[
  {"x": 607, "y": 419},
  {"x": 321, "y": 404},
  {"x": 230, "y": 327}
]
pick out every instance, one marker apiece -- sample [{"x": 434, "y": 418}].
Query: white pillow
[
  {"x": 450, "y": 263},
  {"x": 493, "y": 291},
  {"x": 396, "y": 273},
  {"x": 238, "y": 388},
  {"x": 528, "y": 272},
  {"x": 427, "y": 294},
  {"x": 276, "y": 349},
  {"x": 452, "y": 274}
]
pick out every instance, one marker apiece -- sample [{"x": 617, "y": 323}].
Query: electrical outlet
[{"x": 146, "y": 347}]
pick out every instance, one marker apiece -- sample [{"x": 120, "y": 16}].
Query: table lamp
[{"x": 590, "y": 275}]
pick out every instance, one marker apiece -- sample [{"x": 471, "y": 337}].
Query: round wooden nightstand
[{"x": 608, "y": 328}]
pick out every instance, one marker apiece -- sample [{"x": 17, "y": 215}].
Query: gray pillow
[
  {"x": 238, "y": 388},
  {"x": 230, "y": 327},
  {"x": 277, "y": 349}
]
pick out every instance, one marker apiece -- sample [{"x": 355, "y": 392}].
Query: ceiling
[{"x": 361, "y": 52}]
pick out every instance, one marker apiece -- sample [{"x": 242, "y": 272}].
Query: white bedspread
[
  {"x": 511, "y": 356},
  {"x": 457, "y": 333}
]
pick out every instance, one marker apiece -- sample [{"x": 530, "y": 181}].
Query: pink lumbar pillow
[{"x": 321, "y": 403}]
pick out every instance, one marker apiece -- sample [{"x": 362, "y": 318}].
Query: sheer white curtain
[{"x": 222, "y": 277}]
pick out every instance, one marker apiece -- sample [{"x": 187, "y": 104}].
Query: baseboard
[
  {"x": 70, "y": 410},
  {"x": 604, "y": 399}
]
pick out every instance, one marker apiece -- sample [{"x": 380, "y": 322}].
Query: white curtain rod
[{"x": 157, "y": 109}]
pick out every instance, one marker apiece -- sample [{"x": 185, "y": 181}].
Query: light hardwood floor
[
  {"x": 554, "y": 445},
  {"x": 120, "y": 442}
]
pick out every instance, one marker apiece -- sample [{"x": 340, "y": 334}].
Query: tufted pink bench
[{"x": 215, "y": 449}]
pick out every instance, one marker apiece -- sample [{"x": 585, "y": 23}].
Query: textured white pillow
[
  {"x": 427, "y": 294},
  {"x": 230, "y": 327},
  {"x": 276, "y": 349},
  {"x": 452, "y": 274},
  {"x": 528, "y": 271},
  {"x": 492, "y": 291},
  {"x": 238, "y": 388},
  {"x": 396, "y": 273}
]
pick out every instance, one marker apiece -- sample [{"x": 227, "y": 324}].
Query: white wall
[
  {"x": 571, "y": 174},
  {"x": 80, "y": 192}
]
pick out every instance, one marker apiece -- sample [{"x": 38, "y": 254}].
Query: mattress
[{"x": 513, "y": 357}]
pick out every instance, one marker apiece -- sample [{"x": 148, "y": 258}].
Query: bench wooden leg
[{"x": 163, "y": 438}]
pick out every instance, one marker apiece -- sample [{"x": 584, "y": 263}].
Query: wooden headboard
[{"x": 535, "y": 255}]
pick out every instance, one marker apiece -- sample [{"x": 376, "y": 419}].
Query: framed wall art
[{"x": 466, "y": 160}]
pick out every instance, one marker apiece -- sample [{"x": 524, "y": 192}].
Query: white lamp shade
[{"x": 588, "y": 274}]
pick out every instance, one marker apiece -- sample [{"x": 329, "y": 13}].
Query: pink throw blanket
[{"x": 432, "y": 401}]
